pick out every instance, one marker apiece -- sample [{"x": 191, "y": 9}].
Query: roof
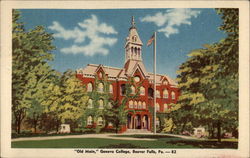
[
  {"x": 128, "y": 70},
  {"x": 160, "y": 77},
  {"x": 90, "y": 69},
  {"x": 131, "y": 66}
]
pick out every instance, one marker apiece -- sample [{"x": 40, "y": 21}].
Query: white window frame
[{"x": 89, "y": 120}]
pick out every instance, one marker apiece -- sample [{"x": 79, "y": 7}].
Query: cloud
[
  {"x": 97, "y": 35},
  {"x": 170, "y": 20}
]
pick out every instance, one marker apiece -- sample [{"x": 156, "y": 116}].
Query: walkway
[{"x": 108, "y": 136}]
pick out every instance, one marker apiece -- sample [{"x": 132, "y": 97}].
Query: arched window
[
  {"x": 139, "y": 105},
  {"x": 165, "y": 107},
  {"x": 142, "y": 90},
  {"x": 134, "y": 38},
  {"x": 165, "y": 93},
  {"x": 100, "y": 87},
  {"x": 99, "y": 121},
  {"x": 157, "y": 107},
  {"x": 109, "y": 105},
  {"x": 157, "y": 121},
  {"x": 132, "y": 49},
  {"x": 131, "y": 104},
  {"x": 123, "y": 89},
  {"x": 90, "y": 103},
  {"x": 173, "y": 95},
  {"x": 89, "y": 120},
  {"x": 150, "y": 92},
  {"x": 165, "y": 82},
  {"x": 101, "y": 104},
  {"x": 110, "y": 124},
  {"x": 110, "y": 88},
  {"x": 89, "y": 87},
  {"x": 132, "y": 89},
  {"x": 144, "y": 105},
  {"x": 158, "y": 95},
  {"x": 100, "y": 74},
  {"x": 135, "y": 104}
]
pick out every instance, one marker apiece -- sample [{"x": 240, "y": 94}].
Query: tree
[
  {"x": 73, "y": 100},
  {"x": 208, "y": 80},
  {"x": 30, "y": 71},
  {"x": 118, "y": 113}
]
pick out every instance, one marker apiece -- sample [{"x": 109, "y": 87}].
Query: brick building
[{"x": 140, "y": 116}]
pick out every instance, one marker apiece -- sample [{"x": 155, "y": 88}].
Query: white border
[{"x": 7, "y": 6}]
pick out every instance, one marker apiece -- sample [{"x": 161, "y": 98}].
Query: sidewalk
[{"x": 108, "y": 136}]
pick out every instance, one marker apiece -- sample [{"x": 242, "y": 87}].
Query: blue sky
[{"x": 98, "y": 36}]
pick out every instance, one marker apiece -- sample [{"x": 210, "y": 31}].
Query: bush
[
  {"x": 107, "y": 130},
  {"x": 88, "y": 131}
]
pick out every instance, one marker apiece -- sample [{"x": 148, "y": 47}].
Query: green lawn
[{"x": 161, "y": 142}]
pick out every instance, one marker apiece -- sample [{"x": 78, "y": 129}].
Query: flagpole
[{"x": 155, "y": 83}]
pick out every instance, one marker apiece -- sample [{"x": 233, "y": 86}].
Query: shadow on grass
[
  {"x": 176, "y": 141},
  {"x": 146, "y": 136},
  {"x": 204, "y": 143}
]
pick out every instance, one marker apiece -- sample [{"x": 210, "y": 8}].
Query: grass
[{"x": 160, "y": 142}]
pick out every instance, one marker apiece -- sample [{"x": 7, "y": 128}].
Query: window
[
  {"x": 165, "y": 93},
  {"x": 132, "y": 89},
  {"x": 137, "y": 79},
  {"x": 131, "y": 104},
  {"x": 165, "y": 82},
  {"x": 89, "y": 87},
  {"x": 100, "y": 74},
  {"x": 157, "y": 121},
  {"x": 99, "y": 121},
  {"x": 110, "y": 124},
  {"x": 100, "y": 87},
  {"x": 89, "y": 120},
  {"x": 173, "y": 95},
  {"x": 101, "y": 104},
  {"x": 134, "y": 38},
  {"x": 110, "y": 88},
  {"x": 150, "y": 92},
  {"x": 109, "y": 105},
  {"x": 123, "y": 89},
  {"x": 139, "y": 105},
  {"x": 158, "y": 95},
  {"x": 165, "y": 107},
  {"x": 157, "y": 107},
  {"x": 144, "y": 105},
  {"x": 135, "y": 51},
  {"x": 142, "y": 91},
  {"x": 90, "y": 103},
  {"x": 135, "y": 104}
]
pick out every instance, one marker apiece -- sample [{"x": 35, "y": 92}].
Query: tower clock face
[{"x": 137, "y": 79}]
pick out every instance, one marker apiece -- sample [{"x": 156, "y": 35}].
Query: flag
[{"x": 151, "y": 40}]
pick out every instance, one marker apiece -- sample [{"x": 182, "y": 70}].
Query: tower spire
[
  {"x": 133, "y": 22},
  {"x": 133, "y": 45}
]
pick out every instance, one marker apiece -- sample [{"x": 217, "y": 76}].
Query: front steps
[{"x": 137, "y": 131}]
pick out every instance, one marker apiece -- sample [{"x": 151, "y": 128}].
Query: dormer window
[
  {"x": 165, "y": 82},
  {"x": 100, "y": 75}
]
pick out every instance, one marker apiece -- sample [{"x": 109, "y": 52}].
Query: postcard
[{"x": 125, "y": 79}]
